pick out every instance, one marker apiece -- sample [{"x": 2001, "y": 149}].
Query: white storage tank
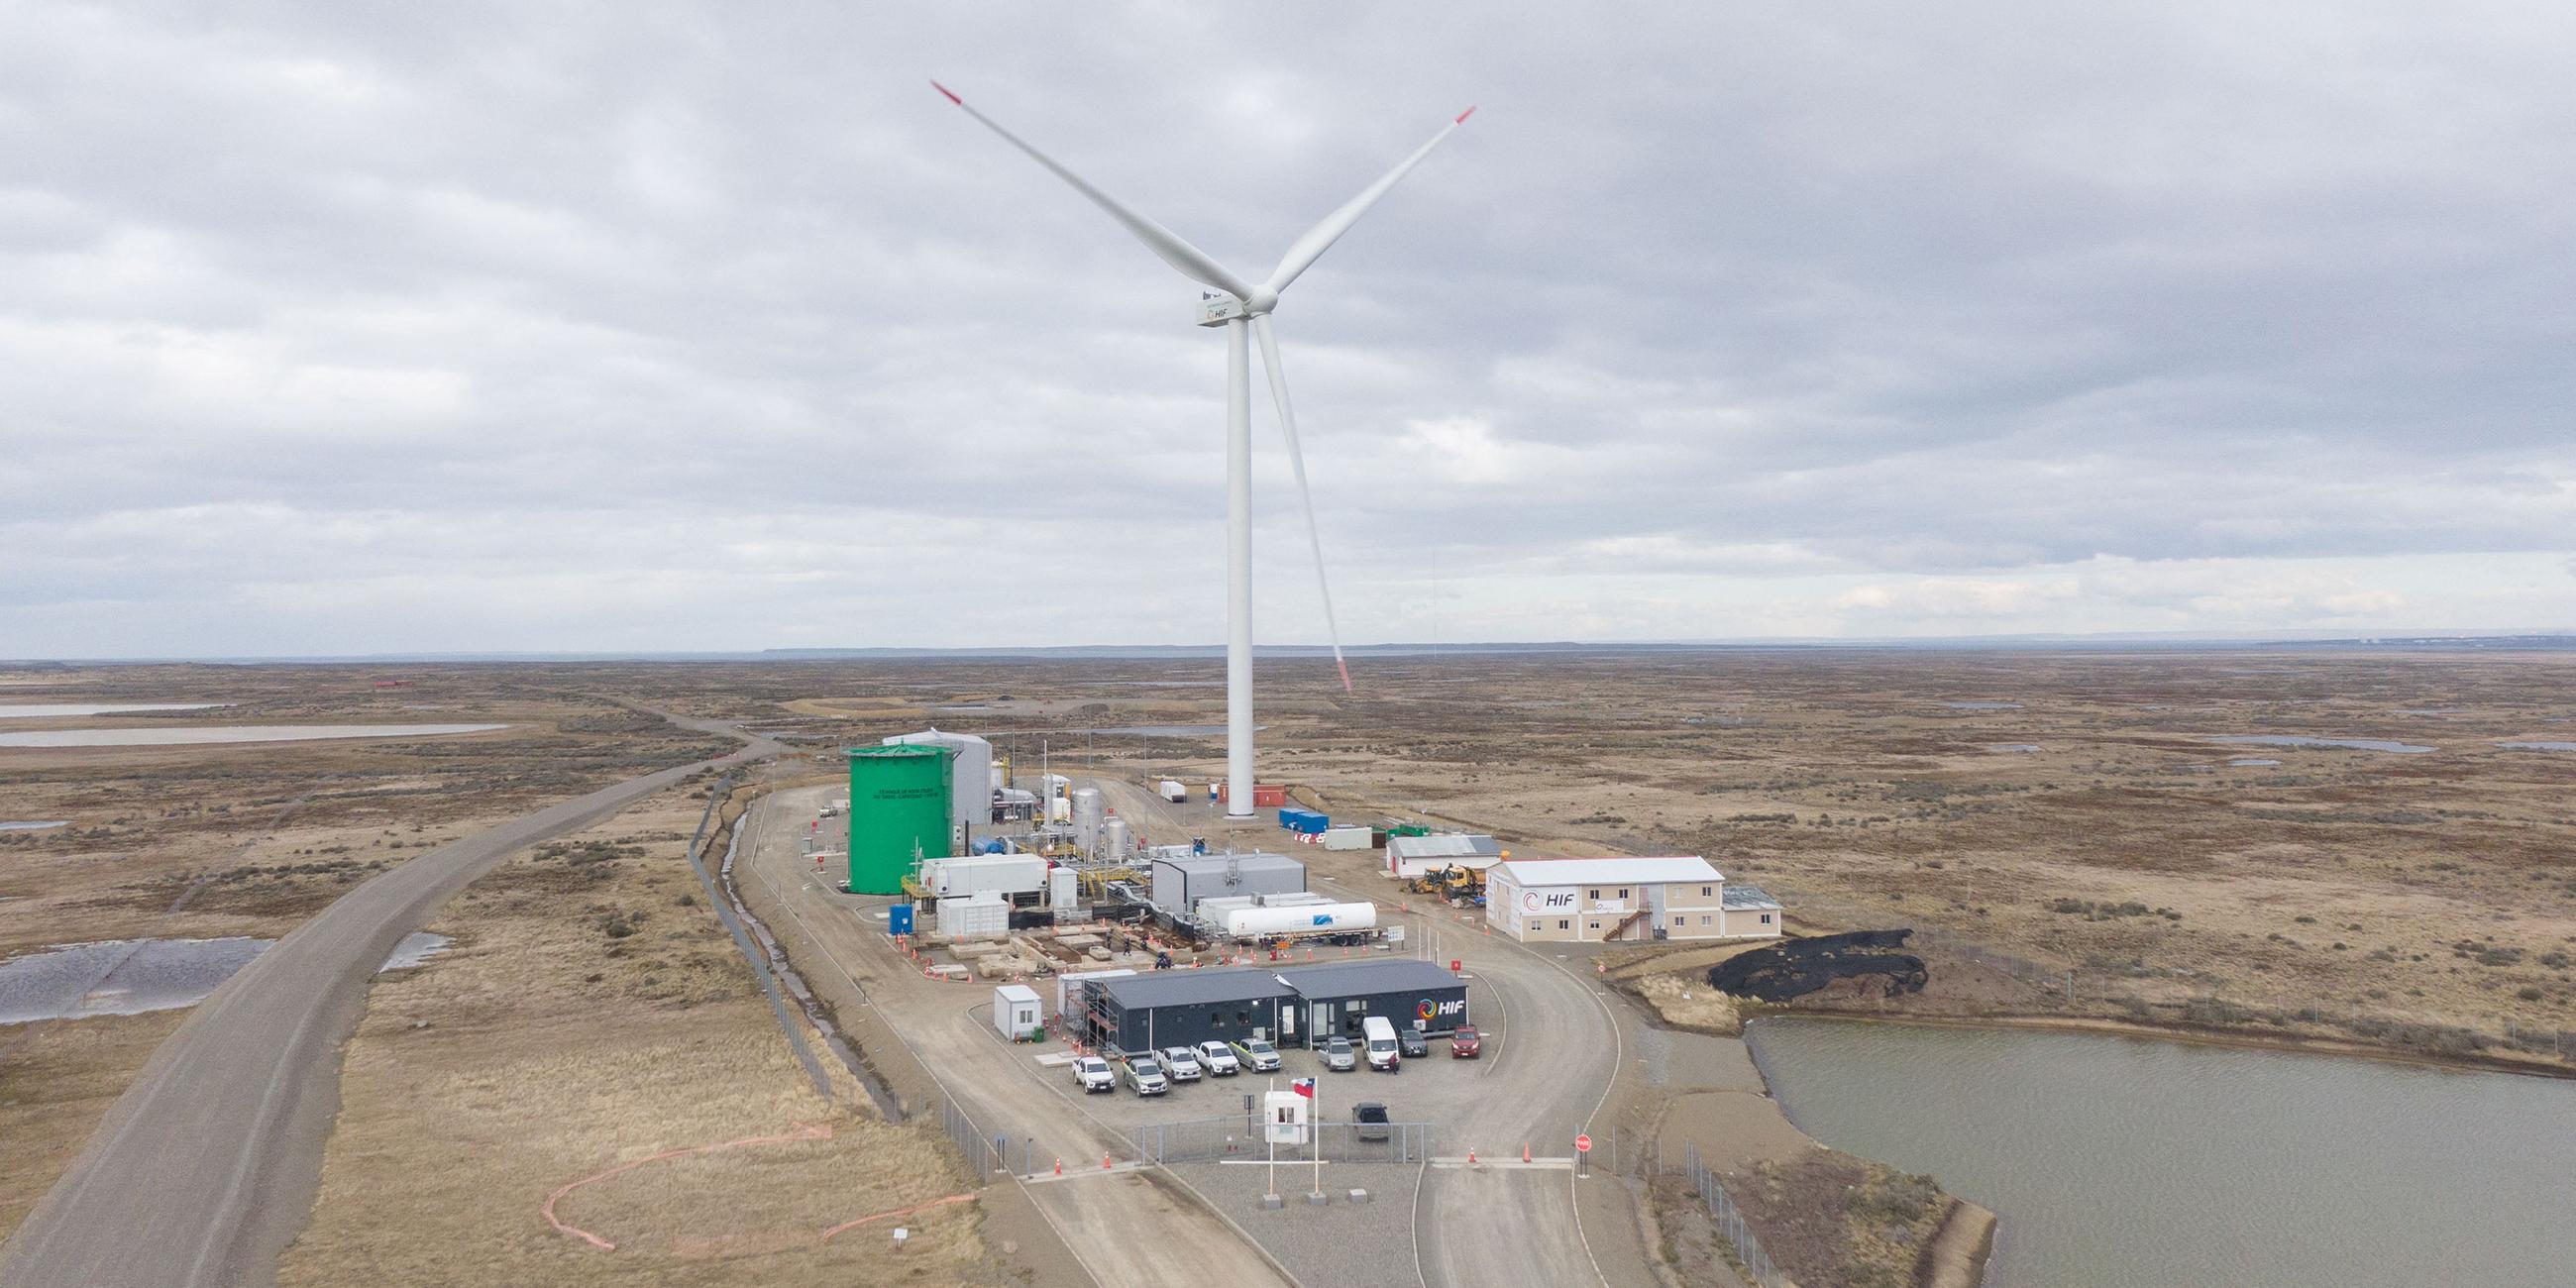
[
  {"x": 970, "y": 772},
  {"x": 1088, "y": 809},
  {"x": 1114, "y": 845},
  {"x": 1310, "y": 919},
  {"x": 1005, "y": 874},
  {"x": 1015, "y": 1011}
]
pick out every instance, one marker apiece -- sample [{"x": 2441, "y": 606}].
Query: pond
[
  {"x": 65, "y": 710},
  {"x": 1163, "y": 731},
  {"x": 1983, "y": 706},
  {"x": 33, "y": 826},
  {"x": 169, "y": 737},
  {"x": 2303, "y": 740},
  {"x": 132, "y": 976},
  {"x": 2121, "y": 1161},
  {"x": 2538, "y": 746}
]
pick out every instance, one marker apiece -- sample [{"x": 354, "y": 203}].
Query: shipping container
[
  {"x": 1264, "y": 795},
  {"x": 1173, "y": 791},
  {"x": 977, "y": 916},
  {"x": 1303, "y": 820},
  {"x": 1006, "y": 874},
  {"x": 1348, "y": 838}
]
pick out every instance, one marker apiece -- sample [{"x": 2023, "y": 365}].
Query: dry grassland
[{"x": 593, "y": 1013}]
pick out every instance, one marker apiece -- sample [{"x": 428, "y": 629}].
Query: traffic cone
[
  {"x": 1471, "y": 1153},
  {"x": 1104, "y": 1160},
  {"x": 1059, "y": 1167},
  {"x": 1524, "y": 1151}
]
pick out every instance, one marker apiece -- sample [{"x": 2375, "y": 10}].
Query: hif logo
[
  {"x": 1529, "y": 900},
  {"x": 1426, "y": 1008}
]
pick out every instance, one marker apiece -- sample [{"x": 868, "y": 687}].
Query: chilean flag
[{"x": 1303, "y": 1086}]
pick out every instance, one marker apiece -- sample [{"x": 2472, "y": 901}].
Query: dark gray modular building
[
  {"x": 1290, "y": 1006},
  {"x": 1179, "y": 883}
]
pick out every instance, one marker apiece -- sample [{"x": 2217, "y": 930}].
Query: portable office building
[
  {"x": 1291, "y": 1005},
  {"x": 1015, "y": 1011}
]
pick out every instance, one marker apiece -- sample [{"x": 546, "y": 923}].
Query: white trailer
[
  {"x": 1172, "y": 790},
  {"x": 1306, "y": 919},
  {"x": 1004, "y": 874}
]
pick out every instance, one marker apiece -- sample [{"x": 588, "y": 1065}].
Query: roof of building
[
  {"x": 1193, "y": 987},
  {"x": 1747, "y": 896},
  {"x": 1444, "y": 846},
  {"x": 1255, "y": 983},
  {"x": 1016, "y": 992},
  {"x": 1558, "y": 872},
  {"x": 1197, "y": 863},
  {"x": 1348, "y": 979}
]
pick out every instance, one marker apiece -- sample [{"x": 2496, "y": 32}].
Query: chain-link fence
[
  {"x": 1205, "y": 1140},
  {"x": 1731, "y": 1225}
]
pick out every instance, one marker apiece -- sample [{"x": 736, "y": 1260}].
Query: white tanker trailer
[{"x": 1300, "y": 919}]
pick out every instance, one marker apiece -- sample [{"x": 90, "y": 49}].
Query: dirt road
[{"x": 207, "y": 1165}]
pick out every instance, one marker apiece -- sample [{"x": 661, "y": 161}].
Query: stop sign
[{"x": 1583, "y": 1144}]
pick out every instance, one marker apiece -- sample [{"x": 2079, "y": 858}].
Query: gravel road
[{"x": 206, "y": 1167}]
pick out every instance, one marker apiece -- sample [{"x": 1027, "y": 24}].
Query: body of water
[
  {"x": 2126, "y": 1162},
  {"x": 2015, "y": 748},
  {"x": 1983, "y": 706},
  {"x": 2303, "y": 740},
  {"x": 2253, "y": 762},
  {"x": 231, "y": 733},
  {"x": 1163, "y": 731},
  {"x": 132, "y": 976},
  {"x": 2538, "y": 746},
  {"x": 65, "y": 710},
  {"x": 31, "y": 827}
]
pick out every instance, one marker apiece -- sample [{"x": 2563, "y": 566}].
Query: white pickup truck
[
  {"x": 1219, "y": 1059},
  {"x": 1091, "y": 1073},
  {"x": 1183, "y": 1064}
]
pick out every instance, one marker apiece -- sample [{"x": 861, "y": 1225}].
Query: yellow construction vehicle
[{"x": 1458, "y": 886}]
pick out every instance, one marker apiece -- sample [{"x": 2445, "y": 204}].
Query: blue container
[
  {"x": 899, "y": 919},
  {"x": 1303, "y": 820}
]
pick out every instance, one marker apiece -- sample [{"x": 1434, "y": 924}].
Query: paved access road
[{"x": 207, "y": 1166}]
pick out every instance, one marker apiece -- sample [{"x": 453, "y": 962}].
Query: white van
[{"x": 1379, "y": 1036}]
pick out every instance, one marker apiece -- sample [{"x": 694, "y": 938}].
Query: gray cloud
[{"x": 646, "y": 326}]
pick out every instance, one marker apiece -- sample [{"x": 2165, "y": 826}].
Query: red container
[{"x": 1264, "y": 796}]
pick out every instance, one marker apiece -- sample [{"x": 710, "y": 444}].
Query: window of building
[
  {"x": 1704, "y": 892},
  {"x": 1596, "y": 894},
  {"x": 1703, "y": 921},
  {"x": 1563, "y": 924},
  {"x": 1623, "y": 892},
  {"x": 1766, "y": 918},
  {"x": 1592, "y": 925},
  {"x": 1352, "y": 1005}
]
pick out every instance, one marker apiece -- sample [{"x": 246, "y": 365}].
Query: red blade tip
[
  {"x": 952, "y": 96},
  {"x": 1462, "y": 116},
  {"x": 1346, "y": 675}
]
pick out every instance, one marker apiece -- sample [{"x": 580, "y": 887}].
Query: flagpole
[
  {"x": 1318, "y": 1113},
  {"x": 1268, "y": 1089}
]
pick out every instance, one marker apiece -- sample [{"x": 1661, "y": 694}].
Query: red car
[{"x": 1466, "y": 1044}]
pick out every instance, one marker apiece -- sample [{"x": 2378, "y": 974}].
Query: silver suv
[{"x": 1339, "y": 1057}]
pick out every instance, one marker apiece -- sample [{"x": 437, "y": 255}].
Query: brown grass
[{"x": 542, "y": 1050}]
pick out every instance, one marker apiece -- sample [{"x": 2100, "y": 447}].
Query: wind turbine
[{"x": 1242, "y": 305}]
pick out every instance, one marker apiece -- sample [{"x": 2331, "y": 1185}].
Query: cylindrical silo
[
  {"x": 1114, "y": 846},
  {"x": 1087, "y": 810},
  {"x": 899, "y": 803}
]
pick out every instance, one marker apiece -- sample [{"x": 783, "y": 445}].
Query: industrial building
[
  {"x": 1621, "y": 899},
  {"x": 1179, "y": 881},
  {"x": 1294, "y": 1005},
  {"x": 1408, "y": 857}
]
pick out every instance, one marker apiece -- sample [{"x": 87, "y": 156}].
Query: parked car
[
  {"x": 1146, "y": 1076},
  {"x": 1466, "y": 1043},
  {"x": 1182, "y": 1064},
  {"x": 1259, "y": 1055},
  {"x": 1371, "y": 1116},
  {"x": 1415, "y": 1044},
  {"x": 1339, "y": 1057},
  {"x": 1219, "y": 1059},
  {"x": 1091, "y": 1073}
]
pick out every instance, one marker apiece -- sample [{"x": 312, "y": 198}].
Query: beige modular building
[{"x": 1629, "y": 900}]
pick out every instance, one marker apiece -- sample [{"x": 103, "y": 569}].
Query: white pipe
[{"x": 1238, "y": 571}]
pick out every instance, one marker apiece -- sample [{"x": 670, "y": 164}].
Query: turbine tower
[{"x": 1240, "y": 306}]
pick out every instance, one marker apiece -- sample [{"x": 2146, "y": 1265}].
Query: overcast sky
[{"x": 352, "y": 328}]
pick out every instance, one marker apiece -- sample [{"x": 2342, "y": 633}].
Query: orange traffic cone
[
  {"x": 1104, "y": 1160},
  {"x": 1524, "y": 1151},
  {"x": 1059, "y": 1167}
]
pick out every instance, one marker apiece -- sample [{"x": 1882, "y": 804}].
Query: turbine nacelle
[{"x": 1216, "y": 308}]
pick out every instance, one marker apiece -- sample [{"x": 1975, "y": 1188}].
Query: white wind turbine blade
[
  {"x": 1321, "y": 237},
  {"x": 1297, "y": 465},
  {"x": 1190, "y": 260}
]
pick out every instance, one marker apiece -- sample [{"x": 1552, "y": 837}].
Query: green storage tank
[{"x": 898, "y": 811}]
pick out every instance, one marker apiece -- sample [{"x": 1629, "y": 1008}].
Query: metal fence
[
  {"x": 1204, "y": 1140},
  {"x": 1730, "y": 1222}
]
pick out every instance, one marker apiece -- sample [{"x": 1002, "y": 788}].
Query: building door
[
  {"x": 1655, "y": 906},
  {"x": 1323, "y": 1024}
]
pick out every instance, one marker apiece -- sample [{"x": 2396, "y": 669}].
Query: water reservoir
[{"x": 898, "y": 811}]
